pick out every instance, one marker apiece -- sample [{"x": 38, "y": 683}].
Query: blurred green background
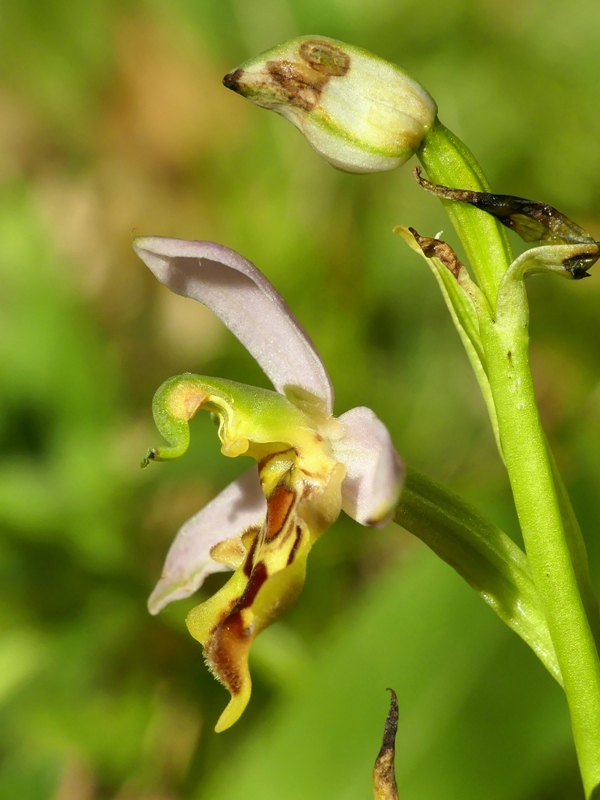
[{"x": 114, "y": 123}]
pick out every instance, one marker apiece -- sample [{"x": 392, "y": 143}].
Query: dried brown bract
[{"x": 384, "y": 778}]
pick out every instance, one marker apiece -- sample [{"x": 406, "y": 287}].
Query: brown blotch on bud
[
  {"x": 301, "y": 86},
  {"x": 384, "y": 778},
  {"x": 325, "y": 58},
  {"x": 303, "y": 83},
  {"x": 300, "y": 83}
]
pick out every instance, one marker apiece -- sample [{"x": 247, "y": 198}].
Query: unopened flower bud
[{"x": 359, "y": 112}]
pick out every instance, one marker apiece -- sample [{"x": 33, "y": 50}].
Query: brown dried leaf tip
[
  {"x": 436, "y": 248},
  {"x": 531, "y": 220},
  {"x": 384, "y": 778}
]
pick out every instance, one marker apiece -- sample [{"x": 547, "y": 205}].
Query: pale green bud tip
[{"x": 359, "y": 112}]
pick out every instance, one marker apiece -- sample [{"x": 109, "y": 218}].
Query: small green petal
[{"x": 248, "y": 416}]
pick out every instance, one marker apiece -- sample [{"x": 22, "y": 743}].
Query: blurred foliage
[{"x": 113, "y": 122}]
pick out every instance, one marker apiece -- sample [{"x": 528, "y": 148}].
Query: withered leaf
[{"x": 531, "y": 220}]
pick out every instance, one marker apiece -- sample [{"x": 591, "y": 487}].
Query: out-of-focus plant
[
  {"x": 114, "y": 122},
  {"x": 364, "y": 115}
]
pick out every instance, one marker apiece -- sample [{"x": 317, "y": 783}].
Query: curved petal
[
  {"x": 240, "y": 506},
  {"x": 247, "y": 303},
  {"x": 374, "y": 470}
]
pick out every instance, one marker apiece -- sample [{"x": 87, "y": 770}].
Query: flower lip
[{"x": 240, "y": 295}]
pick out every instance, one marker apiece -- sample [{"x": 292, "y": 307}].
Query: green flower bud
[{"x": 359, "y": 112}]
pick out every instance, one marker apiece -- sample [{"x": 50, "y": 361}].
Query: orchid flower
[{"x": 311, "y": 465}]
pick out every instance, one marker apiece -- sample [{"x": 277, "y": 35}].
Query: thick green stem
[
  {"x": 524, "y": 447},
  {"x": 577, "y": 548},
  {"x": 450, "y": 162},
  {"x": 547, "y": 528}
]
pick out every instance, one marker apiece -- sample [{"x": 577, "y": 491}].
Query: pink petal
[
  {"x": 247, "y": 303},
  {"x": 238, "y": 507},
  {"x": 374, "y": 470}
]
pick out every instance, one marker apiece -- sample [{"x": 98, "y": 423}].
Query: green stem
[
  {"x": 449, "y": 161},
  {"x": 578, "y": 551},
  {"x": 530, "y": 473},
  {"x": 546, "y": 531}
]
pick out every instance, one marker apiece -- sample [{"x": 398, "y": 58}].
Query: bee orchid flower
[{"x": 310, "y": 464}]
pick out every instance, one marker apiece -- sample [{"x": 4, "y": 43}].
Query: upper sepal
[{"x": 252, "y": 309}]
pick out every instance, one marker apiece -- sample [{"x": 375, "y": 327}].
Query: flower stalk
[
  {"x": 505, "y": 341},
  {"x": 534, "y": 491},
  {"x": 449, "y": 161}
]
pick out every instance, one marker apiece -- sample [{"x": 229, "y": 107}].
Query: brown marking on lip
[
  {"x": 279, "y": 506},
  {"x": 264, "y": 461},
  {"x": 222, "y": 647},
  {"x": 228, "y": 643},
  {"x": 296, "y": 545},
  {"x": 436, "y": 248},
  {"x": 257, "y": 577},
  {"x": 222, "y": 652},
  {"x": 325, "y": 58},
  {"x": 254, "y": 533},
  {"x": 250, "y": 557}
]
